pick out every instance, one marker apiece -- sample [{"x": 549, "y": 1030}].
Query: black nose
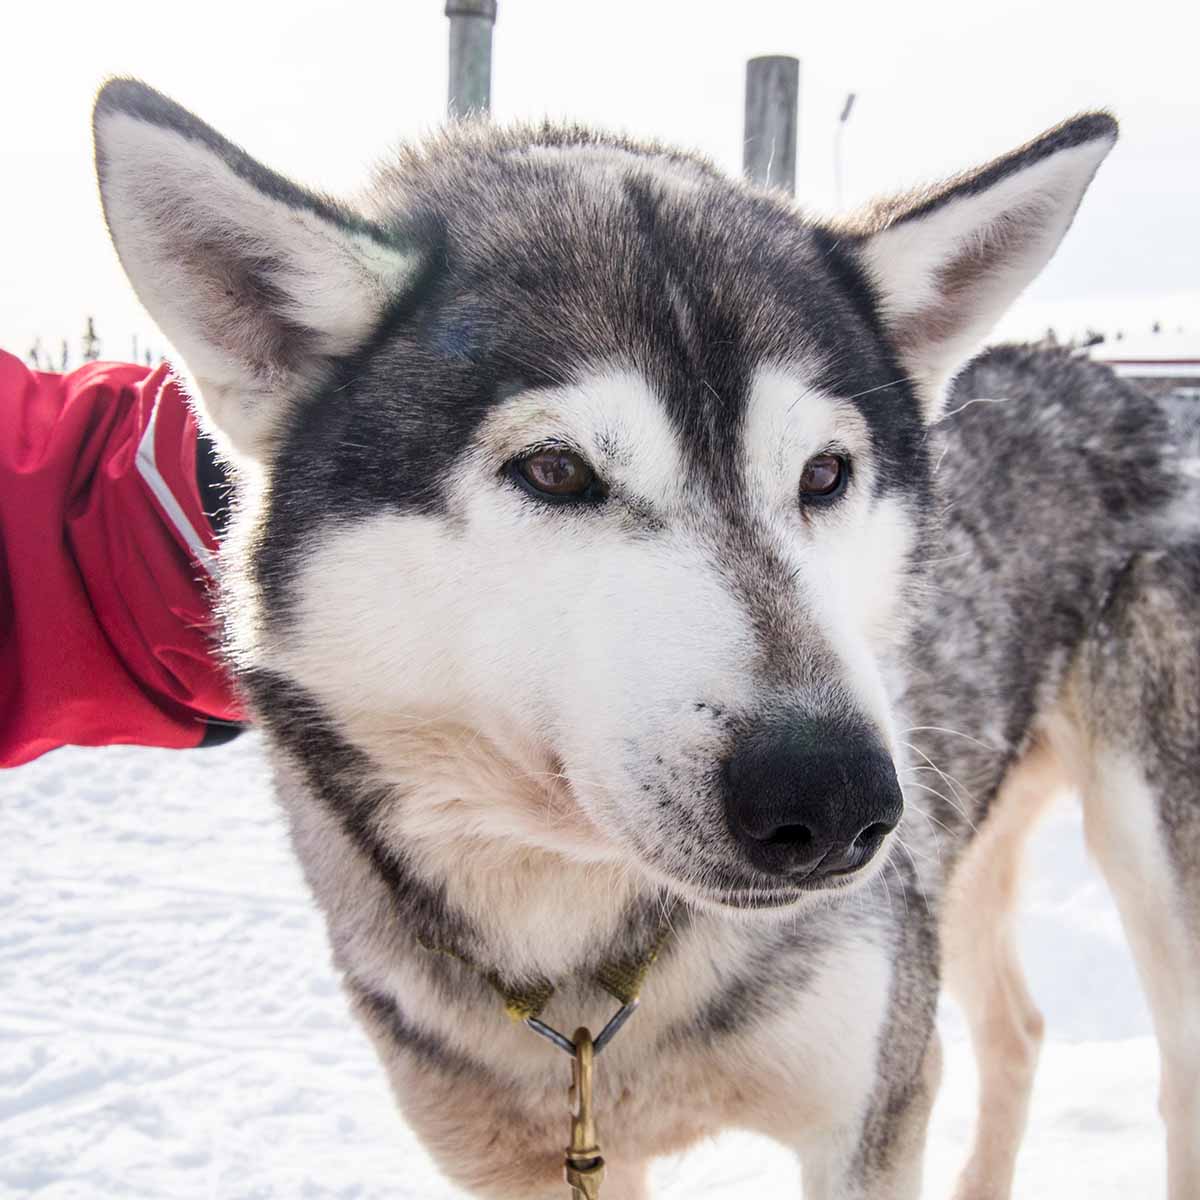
[{"x": 809, "y": 798}]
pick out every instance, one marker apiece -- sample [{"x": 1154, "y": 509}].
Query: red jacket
[{"x": 106, "y": 555}]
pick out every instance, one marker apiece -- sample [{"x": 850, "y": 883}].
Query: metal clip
[{"x": 584, "y": 1168}]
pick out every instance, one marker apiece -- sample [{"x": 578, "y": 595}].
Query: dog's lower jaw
[{"x": 771, "y": 898}]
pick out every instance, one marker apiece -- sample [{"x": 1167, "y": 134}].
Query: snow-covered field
[{"x": 170, "y": 1027}]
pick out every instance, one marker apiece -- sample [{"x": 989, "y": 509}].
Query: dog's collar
[{"x": 621, "y": 978}]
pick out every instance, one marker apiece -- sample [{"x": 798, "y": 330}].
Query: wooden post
[
  {"x": 471, "y": 24},
  {"x": 772, "y": 102},
  {"x": 837, "y": 147}
]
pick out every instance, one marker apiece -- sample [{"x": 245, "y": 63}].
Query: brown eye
[
  {"x": 824, "y": 477},
  {"x": 557, "y": 472}
]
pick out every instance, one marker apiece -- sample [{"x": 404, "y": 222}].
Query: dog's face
[{"x": 590, "y": 484}]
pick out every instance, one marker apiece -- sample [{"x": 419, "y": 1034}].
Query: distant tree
[
  {"x": 65, "y": 357},
  {"x": 1156, "y": 327},
  {"x": 91, "y": 342},
  {"x": 1092, "y": 337},
  {"x": 149, "y": 358},
  {"x": 35, "y": 354}
]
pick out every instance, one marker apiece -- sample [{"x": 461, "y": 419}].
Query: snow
[
  {"x": 1172, "y": 346},
  {"x": 170, "y": 1026}
]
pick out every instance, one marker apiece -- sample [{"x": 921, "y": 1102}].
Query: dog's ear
[
  {"x": 947, "y": 261},
  {"x": 258, "y": 283}
]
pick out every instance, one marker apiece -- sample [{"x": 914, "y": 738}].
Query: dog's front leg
[{"x": 879, "y": 1157}]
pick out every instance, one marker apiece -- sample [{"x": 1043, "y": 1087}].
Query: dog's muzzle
[{"x": 810, "y": 799}]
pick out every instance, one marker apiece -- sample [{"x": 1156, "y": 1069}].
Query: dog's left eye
[
  {"x": 824, "y": 477},
  {"x": 557, "y": 473}
]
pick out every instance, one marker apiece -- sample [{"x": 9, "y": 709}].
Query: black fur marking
[
  {"x": 785, "y": 959},
  {"x": 341, "y": 776},
  {"x": 905, "y": 1038},
  {"x": 431, "y": 1050}
]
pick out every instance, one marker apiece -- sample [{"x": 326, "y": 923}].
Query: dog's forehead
[
  {"x": 600, "y": 238},
  {"x": 559, "y": 258}
]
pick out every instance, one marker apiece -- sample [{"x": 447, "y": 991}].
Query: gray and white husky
[{"x": 614, "y": 564}]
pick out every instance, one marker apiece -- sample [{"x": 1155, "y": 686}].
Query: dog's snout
[{"x": 810, "y": 799}]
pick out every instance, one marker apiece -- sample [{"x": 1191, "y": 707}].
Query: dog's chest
[{"x": 791, "y": 1051}]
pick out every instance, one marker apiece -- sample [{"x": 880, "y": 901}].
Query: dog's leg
[
  {"x": 881, "y": 1159},
  {"x": 982, "y": 971},
  {"x": 1136, "y": 699},
  {"x": 1125, "y": 836}
]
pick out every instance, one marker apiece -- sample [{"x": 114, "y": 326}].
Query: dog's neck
[{"x": 530, "y": 888}]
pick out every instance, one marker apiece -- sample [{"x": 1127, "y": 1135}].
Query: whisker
[
  {"x": 880, "y": 387},
  {"x": 882, "y": 877},
  {"x": 937, "y": 841},
  {"x": 916, "y": 872},
  {"x": 943, "y": 796},
  {"x": 955, "y": 732},
  {"x": 910, "y": 803},
  {"x": 976, "y": 400},
  {"x": 960, "y": 790}
]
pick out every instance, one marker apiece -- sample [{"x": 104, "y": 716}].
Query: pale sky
[{"x": 319, "y": 90}]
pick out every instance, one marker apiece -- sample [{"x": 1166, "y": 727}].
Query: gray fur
[{"x": 1041, "y": 450}]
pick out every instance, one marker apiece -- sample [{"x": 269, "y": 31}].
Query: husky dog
[{"x": 603, "y": 580}]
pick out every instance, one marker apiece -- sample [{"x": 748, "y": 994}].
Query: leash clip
[{"x": 584, "y": 1167}]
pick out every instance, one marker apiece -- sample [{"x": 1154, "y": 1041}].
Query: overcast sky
[{"x": 319, "y": 90}]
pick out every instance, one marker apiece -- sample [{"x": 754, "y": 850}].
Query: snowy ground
[{"x": 169, "y": 1026}]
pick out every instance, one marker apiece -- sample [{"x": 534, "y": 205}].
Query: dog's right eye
[{"x": 556, "y": 473}]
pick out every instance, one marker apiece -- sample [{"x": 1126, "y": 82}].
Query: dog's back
[
  {"x": 1062, "y": 652},
  {"x": 1053, "y": 473}
]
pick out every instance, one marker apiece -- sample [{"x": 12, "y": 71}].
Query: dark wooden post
[
  {"x": 471, "y": 24},
  {"x": 772, "y": 103},
  {"x": 847, "y": 108}
]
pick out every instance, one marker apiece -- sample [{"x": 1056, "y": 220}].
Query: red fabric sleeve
[{"x": 106, "y": 632}]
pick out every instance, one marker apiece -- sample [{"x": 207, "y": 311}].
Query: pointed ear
[
  {"x": 258, "y": 283},
  {"x": 947, "y": 262}
]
